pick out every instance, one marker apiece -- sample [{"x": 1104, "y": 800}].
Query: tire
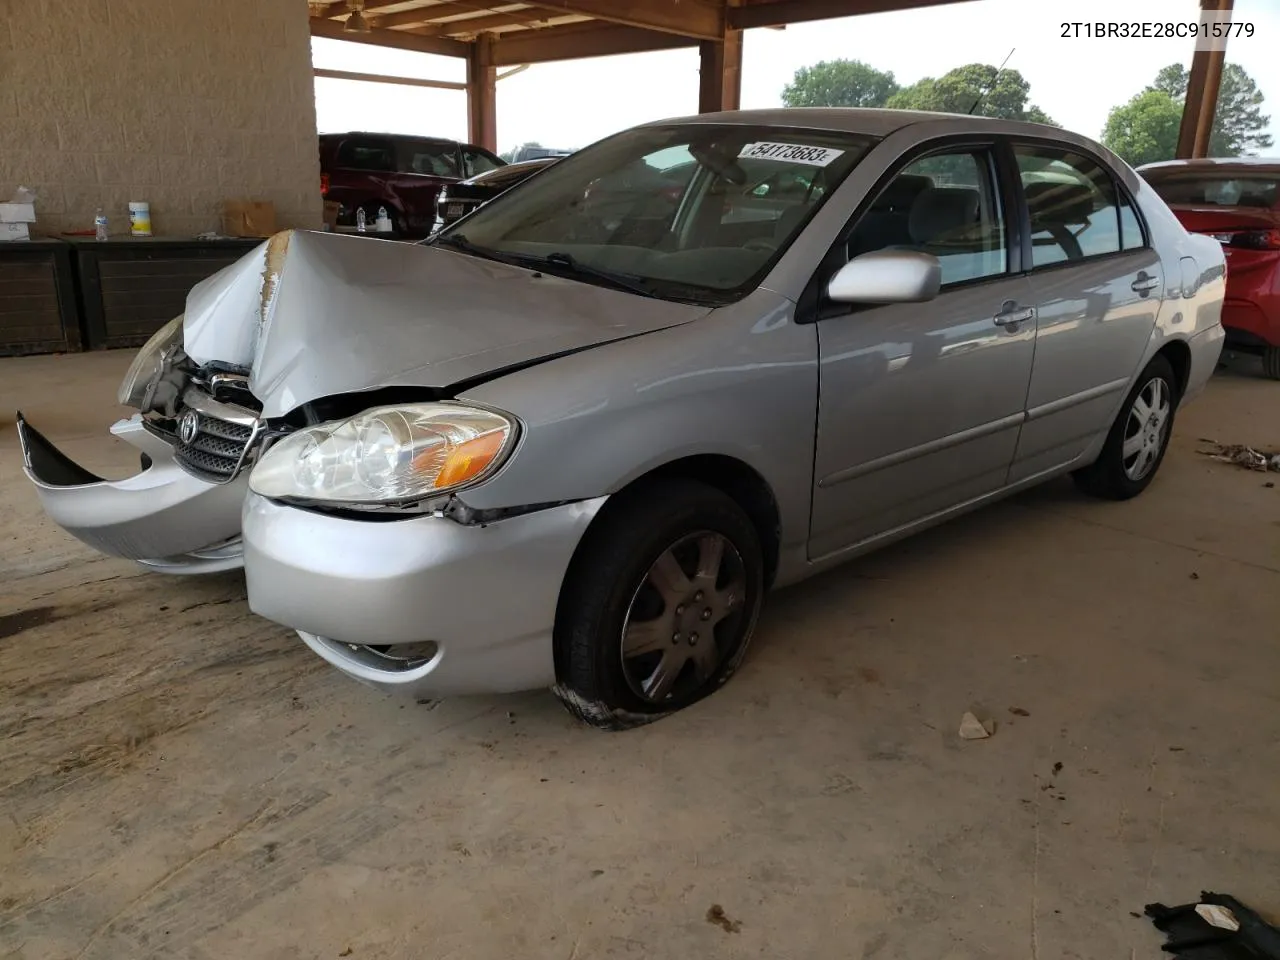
[
  {"x": 1271, "y": 362},
  {"x": 684, "y": 634},
  {"x": 1117, "y": 475}
]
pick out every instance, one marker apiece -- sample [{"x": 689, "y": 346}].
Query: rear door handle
[
  {"x": 1145, "y": 284},
  {"x": 1011, "y": 315}
]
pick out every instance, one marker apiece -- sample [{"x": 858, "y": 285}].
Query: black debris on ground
[{"x": 1192, "y": 937}]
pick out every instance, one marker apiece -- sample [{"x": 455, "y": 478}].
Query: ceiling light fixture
[{"x": 356, "y": 20}]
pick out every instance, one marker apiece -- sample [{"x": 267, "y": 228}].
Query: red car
[
  {"x": 1238, "y": 203},
  {"x": 401, "y": 173}
]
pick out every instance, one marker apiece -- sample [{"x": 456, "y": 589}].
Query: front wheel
[
  {"x": 1136, "y": 445},
  {"x": 658, "y": 605}
]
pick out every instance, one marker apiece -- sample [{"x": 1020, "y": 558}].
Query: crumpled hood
[{"x": 319, "y": 314}]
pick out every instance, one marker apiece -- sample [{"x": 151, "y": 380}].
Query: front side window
[
  {"x": 946, "y": 205},
  {"x": 429, "y": 159},
  {"x": 1071, "y": 201},
  {"x": 367, "y": 155},
  {"x": 684, "y": 211},
  {"x": 477, "y": 161}
]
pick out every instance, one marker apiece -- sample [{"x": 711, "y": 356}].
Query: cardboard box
[
  {"x": 17, "y": 213},
  {"x": 14, "y": 231},
  {"x": 248, "y": 218},
  {"x": 331, "y": 209}
]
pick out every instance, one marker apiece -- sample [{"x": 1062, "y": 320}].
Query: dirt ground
[{"x": 179, "y": 779}]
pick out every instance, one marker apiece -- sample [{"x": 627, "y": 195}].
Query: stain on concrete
[{"x": 12, "y": 624}]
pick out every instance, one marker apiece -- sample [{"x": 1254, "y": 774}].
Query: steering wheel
[{"x": 760, "y": 243}]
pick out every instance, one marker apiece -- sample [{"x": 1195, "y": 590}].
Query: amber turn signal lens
[{"x": 470, "y": 459}]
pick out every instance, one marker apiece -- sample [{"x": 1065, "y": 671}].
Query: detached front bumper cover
[{"x": 163, "y": 517}]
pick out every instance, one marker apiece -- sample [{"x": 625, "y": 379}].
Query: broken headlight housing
[
  {"x": 144, "y": 373},
  {"x": 387, "y": 456}
]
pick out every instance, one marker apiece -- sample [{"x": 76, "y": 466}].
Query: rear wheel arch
[{"x": 1179, "y": 356}]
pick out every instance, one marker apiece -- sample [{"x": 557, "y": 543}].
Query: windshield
[
  {"x": 694, "y": 212},
  {"x": 1216, "y": 189}
]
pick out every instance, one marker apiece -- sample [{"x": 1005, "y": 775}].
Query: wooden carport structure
[{"x": 490, "y": 34}]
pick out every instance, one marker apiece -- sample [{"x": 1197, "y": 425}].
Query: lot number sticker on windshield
[{"x": 790, "y": 153}]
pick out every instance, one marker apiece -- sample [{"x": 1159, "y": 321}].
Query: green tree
[
  {"x": 1145, "y": 129},
  {"x": 1239, "y": 125},
  {"x": 996, "y": 93},
  {"x": 839, "y": 83}
]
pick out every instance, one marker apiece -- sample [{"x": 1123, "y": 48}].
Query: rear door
[
  {"x": 921, "y": 403},
  {"x": 1097, "y": 286}
]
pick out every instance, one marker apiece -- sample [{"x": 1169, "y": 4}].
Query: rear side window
[
  {"x": 367, "y": 155},
  {"x": 429, "y": 159},
  {"x": 1130, "y": 228},
  {"x": 1072, "y": 205}
]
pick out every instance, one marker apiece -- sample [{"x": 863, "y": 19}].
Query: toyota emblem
[{"x": 188, "y": 426}]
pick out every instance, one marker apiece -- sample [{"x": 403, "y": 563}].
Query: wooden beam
[
  {"x": 781, "y": 12},
  {"x": 386, "y": 78},
  {"x": 482, "y": 94},
  {"x": 684, "y": 18},
  {"x": 332, "y": 30},
  {"x": 573, "y": 42},
  {"x": 340, "y": 8},
  {"x": 1204, "y": 84},
  {"x": 476, "y": 25},
  {"x": 426, "y": 17}
]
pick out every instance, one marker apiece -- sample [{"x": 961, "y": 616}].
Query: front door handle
[
  {"x": 1145, "y": 283},
  {"x": 1011, "y": 315}
]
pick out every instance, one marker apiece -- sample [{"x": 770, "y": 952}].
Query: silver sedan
[{"x": 573, "y": 440}]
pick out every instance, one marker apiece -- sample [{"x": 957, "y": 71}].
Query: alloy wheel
[
  {"x": 684, "y": 617},
  {"x": 1146, "y": 428}
]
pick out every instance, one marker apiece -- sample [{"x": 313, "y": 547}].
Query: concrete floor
[{"x": 180, "y": 779}]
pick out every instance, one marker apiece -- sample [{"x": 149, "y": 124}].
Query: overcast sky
[{"x": 574, "y": 103}]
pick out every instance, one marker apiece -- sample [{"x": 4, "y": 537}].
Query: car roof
[
  {"x": 873, "y": 122},
  {"x": 1217, "y": 164},
  {"x": 390, "y": 136}
]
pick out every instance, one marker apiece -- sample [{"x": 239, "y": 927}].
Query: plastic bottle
[
  {"x": 362, "y": 222},
  {"x": 383, "y": 223},
  {"x": 100, "y": 225}
]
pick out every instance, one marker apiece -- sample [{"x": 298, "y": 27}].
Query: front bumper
[
  {"x": 475, "y": 603},
  {"x": 163, "y": 517}
]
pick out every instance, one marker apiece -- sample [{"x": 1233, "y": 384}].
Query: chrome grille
[{"x": 220, "y": 447}]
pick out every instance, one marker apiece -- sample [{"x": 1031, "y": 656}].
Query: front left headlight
[
  {"x": 148, "y": 364},
  {"x": 388, "y": 455}
]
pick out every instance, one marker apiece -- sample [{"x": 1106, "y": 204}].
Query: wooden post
[
  {"x": 482, "y": 93},
  {"x": 720, "y": 70},
  {"x": 1203, "y": 86}
]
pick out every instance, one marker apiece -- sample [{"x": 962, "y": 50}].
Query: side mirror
[{"x": 887, "y": 276}]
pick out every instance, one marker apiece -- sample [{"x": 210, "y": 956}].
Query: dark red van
[{"x": 402, "y": 173}]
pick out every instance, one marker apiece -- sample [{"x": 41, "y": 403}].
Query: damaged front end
[{"x": 198, "y": 430}]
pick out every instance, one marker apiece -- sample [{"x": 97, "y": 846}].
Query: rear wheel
[
  {"x": 658, "y": 605},
  {"x": 1271, "y": 362},
  {"x": 1136, "y": 445}
]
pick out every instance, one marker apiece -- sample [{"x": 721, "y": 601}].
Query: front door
[
  {"x": 920, "y": 403},
  {"x": 1098, "y": 288}
]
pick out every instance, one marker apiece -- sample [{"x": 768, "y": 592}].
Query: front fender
[{"x": 742, "y": 382}]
